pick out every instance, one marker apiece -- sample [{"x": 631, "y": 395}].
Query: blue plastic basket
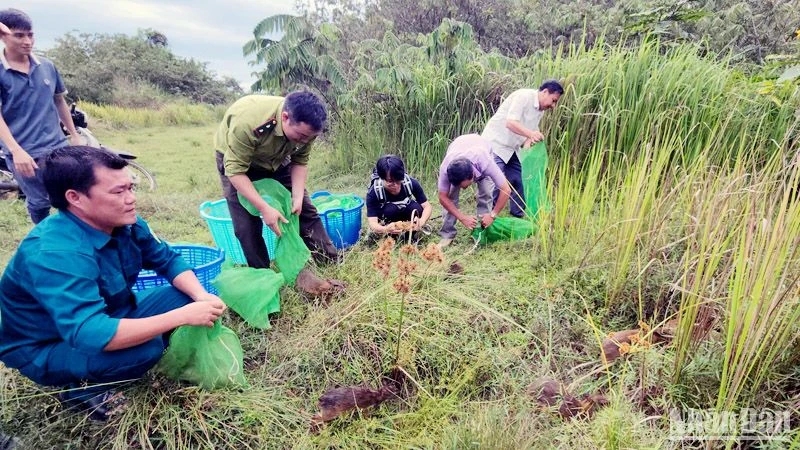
[
  {"x": 206, "y": 262},
  {"x": 218, "y": 218},
  {"x": 342, "y": 225}
]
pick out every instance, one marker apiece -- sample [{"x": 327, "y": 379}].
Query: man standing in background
[
  {"x": 32, "y": 97},
  {"x": 515, "y": 125}
]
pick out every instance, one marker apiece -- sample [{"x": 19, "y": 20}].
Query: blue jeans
[
  {"x": 513, "y": 172},
  {"x": 67, "y": 366},
  {"x": 36, "y": 199}
]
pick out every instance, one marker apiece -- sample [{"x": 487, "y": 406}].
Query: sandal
[{"x": 100, "y": 407}]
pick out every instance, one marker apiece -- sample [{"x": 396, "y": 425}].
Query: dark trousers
[
  {"x": 513, "y": 172},
  {"x": 36, "y": 199},
  {"x": 67, "y": 366},
  {"x": 248, "y": 228},
  {"x": 394, "y": 213}
]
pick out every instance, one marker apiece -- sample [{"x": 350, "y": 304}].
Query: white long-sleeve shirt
[{"x": 521, "y": 105}]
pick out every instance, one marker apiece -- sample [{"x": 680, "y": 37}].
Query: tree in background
[
  {"x": 749, "y": 29},
  {"x": 135, "y": 71},
  {"x": 304, "y": 56}
]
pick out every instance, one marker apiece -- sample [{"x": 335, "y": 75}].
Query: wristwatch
[{"x": 492, "y": 215}]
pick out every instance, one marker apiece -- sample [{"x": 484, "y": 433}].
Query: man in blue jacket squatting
[{"x": 68, "y": 317}]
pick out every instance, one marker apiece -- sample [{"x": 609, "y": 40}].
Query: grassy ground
[{"x": 472, "y": 346}]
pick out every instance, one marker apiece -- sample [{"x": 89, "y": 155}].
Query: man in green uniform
[{"x": 271, "y": 137}]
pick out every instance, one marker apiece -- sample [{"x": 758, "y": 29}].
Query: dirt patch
[{"x": 455, "y": 268}]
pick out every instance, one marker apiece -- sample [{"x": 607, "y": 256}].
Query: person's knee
[
  {"x": 126, "y": 364},
  {"x": 394, "y": 213},
  {"x": 168, "y": 298}
]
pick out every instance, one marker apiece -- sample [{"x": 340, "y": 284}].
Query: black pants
[
  {"x": 248, "y": 228},
  {"x": 394, "y": 213},
  {"x": 513, "y": 172}
]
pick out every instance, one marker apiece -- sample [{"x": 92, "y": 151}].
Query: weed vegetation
[{"x": 673, "y": 212}]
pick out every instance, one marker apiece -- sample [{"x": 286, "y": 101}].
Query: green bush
[{"x": 135, "y": 71}]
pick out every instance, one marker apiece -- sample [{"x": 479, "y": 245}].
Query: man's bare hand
[
  {"x": 209, "y": 297},
  {"x": 24, "y": 164},
  {"x": 203, "y": 313},
  {"x": 535, "y": 137},
  {"x": 470, "y": 222},
  {"x": 4, "y": 29},
  {"x": 271, "y": 218},
  {"x": 297, "y": 205},
  {"x": 76, "y": 139},
  {"x": 487, "y": 220}
]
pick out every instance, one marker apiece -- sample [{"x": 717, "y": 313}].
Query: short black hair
[
  {"x": 306, "y": 107},
  {"x": 15, "y": 19},
  {"x": 552, "y": 86},
  {"x": 390, "y": 166},
  {"x": 459, "y": 170},
  {"x": 72, "y": 167}
]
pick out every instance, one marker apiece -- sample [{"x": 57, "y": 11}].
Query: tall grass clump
[
  {"x": 170, "y": 114},
  {"x": 702, "y": 230},
  {"x": 670, "y": 182},
  {"x": 413, "y": 100},
  {"x": 762, "y": 308}
]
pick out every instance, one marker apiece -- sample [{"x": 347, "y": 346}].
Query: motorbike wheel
[
  {"x": 142, "y": 178},
  {"x": 8, "y": 184}
]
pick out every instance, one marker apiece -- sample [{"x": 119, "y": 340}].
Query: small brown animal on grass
[
  {"x": 584, "y": 406},
  {"x": 338, "y": 401},
  {"x": 612, "y": 344},
  {"x": 309, "y": 283},
  {"x": 548, "y": 392}
]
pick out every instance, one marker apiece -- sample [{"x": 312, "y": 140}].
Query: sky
[{"x": 211, "y": 31}]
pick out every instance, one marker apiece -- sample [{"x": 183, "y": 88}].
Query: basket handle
[
  {"x": 333, "y": 210},
  {"x": 204, "y": 207}
]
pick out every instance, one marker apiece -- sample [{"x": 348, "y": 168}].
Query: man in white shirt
[{"x": 515, "y": 125}]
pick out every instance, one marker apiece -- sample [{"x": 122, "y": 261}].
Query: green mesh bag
[
  {"x": 504, "y": 229},
  {"x": 534, "y": 164},
  {"x": 208, "y": 357},
  {"x": 291, "y": 253},
  {"x": 326, "y": 203},
  {"x": 253, "y": 293}
]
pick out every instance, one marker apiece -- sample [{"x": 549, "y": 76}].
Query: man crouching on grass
[{"x": 69, "y": 316}]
